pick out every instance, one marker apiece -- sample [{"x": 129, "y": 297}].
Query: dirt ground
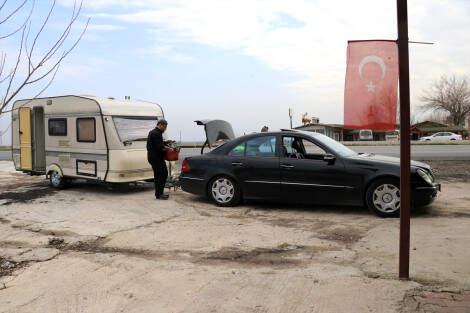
[{"x": 89, "y": 248}]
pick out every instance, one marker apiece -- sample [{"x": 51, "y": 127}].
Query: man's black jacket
[{"x": 155, "y": 146}]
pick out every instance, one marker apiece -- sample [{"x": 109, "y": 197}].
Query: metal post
[
  {"x": 290, "y": 117},
  {"x": 405, "y": 190}
]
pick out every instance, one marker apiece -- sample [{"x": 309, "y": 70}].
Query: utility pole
[
  {"x": 290, "y": 117},
  {"x": 405, "y": 192}
]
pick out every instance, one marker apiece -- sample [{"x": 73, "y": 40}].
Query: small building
[
  {"x": 338, "y": 132},
  {"x": 468, "y": 125},
  {"x": 354, "y": 135},
  {"x": 334, "y": 131},
  {"x": 428, "y": 128}
]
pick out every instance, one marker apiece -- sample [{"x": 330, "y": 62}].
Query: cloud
[
  {"x": 73, "y": 70},
  {"x": 104, "y": 27},
  {"x": 168, "y": 52},
  {"x": 304, "y": 38}
]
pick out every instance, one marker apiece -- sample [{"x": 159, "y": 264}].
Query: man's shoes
[{"x": 162, "y": 197}]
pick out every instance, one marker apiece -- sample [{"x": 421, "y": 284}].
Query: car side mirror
[{"x": 329, "y": 158}]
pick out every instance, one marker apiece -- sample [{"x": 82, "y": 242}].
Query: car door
[
  {"x": 255, "y": 165},
  {"x": 310, "y": 174}
]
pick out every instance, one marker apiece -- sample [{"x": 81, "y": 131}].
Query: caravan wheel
[{"x": 56, "y": 180}]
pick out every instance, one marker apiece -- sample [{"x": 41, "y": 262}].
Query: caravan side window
[
  {"x": 86, "y": 129},
  {"x": 57, "y": 126}
]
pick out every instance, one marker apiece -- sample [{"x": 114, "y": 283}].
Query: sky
[{"x": 244, "y": 61}]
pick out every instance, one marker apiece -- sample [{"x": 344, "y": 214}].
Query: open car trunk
[{"x": 216, "y": 131}]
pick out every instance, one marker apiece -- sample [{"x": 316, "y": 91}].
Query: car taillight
[{"x": 185, "y": 168}]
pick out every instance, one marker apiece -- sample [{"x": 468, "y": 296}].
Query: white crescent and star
[{"x": 372, "y": 59}]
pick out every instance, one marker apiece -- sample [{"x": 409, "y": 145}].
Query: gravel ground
[
  {"x": 89, "y": 248},
  {"x": 451, "y": 170}
]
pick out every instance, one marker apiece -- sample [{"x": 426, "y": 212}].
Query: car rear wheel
[
  {"x": 224, "y": 191},
  {"x": 383, "y": 198}
]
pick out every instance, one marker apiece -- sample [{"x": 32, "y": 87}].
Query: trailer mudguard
[{"x": 54, "y": 167}]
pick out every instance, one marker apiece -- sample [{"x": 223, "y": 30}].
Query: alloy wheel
[
  {"x": 386, "y": 198},
  {"x": 222, "y": 190}
]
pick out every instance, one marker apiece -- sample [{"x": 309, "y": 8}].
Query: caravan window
[
  {"x": 57, "y": 126},
  {"x": 134, "y": 128},
  {"x": 86, "y": 129}
]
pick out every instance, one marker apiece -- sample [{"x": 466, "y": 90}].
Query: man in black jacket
[{"x": 156, "y": 157}]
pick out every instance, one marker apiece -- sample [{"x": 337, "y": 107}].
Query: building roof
[
  {"x": 319, "y": 124},
  {"x": 429, "y": 126},
  {"x": 442, "y": 129}
]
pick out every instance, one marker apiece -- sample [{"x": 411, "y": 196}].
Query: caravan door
[{"x": 26, "y": 160}]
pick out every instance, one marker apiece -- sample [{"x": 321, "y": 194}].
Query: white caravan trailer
[{"x": 68, "y": 137}]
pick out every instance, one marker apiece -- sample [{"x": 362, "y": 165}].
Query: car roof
[{"x": 280, "y": 132}]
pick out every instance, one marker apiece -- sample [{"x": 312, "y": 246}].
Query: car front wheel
[
  {"x": 383, "y": 198},
  {"x": 224, "y": 191}
]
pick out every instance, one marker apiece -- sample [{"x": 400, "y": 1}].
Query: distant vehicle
[
  {"x": 392, "y": 135},
  {"x": 366, "y": 134},
  {"x": 68, "y": 137},
  {"x": 442, "y": 136},
  {"x": 305, "y": 167}
]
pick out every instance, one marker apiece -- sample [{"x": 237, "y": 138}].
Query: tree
[
  {"x": 30, "y": 66},
  {"x": 450, "y": 95}
]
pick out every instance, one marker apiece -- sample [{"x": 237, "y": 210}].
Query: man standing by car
[{"x": 156, "y": 157}]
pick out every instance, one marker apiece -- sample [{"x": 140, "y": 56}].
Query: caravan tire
[{"x": 56, "y": 180}]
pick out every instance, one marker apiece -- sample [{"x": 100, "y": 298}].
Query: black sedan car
[{"x": 303, "y": 167}]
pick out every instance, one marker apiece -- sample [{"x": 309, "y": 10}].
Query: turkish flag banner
[{"x": 370, "y": 95}]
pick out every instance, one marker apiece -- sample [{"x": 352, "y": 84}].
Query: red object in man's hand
[{"x": 172, "y": 154}]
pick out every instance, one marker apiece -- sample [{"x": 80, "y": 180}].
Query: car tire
[
  {"x": 57, "y": 180},
  {"x": 383, "y": 197},
  {"x": 224, "y": 191}
]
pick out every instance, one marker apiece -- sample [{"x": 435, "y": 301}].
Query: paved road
[
  {"x": 422, "y": 152},
  {"x": 5, "y": 155}
]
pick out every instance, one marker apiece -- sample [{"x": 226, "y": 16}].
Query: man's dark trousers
[{"x": 160, "y": 175}]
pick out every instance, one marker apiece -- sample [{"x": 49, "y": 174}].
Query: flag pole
[{"x": 405, "y": 190}]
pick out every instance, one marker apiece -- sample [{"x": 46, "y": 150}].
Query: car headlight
[{"x": 425, "y": 176}]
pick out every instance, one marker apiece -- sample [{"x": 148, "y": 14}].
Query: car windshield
[
  {"x": 333, "y": 145},
  {"x": 134, "y": 128}
]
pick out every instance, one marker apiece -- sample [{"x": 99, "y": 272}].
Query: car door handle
[
  {"x": 287, "y": 166},
  {"x": 237, "y": 164}
]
